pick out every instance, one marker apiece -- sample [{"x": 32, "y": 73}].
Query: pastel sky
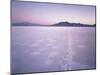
[{"x": 50, "y": 13}]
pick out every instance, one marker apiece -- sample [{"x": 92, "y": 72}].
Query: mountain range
[{"x": 65, "y": 24}]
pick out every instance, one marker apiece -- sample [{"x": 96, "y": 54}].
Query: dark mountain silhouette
[
  {"x": 65, "y": 24},
  {"x": 73, "y": 24}
]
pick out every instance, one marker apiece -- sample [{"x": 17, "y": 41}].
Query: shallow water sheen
[{"x": 42, "y": 49}]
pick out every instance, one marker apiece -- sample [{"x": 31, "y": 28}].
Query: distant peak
[{"x": 63, "y": 22}]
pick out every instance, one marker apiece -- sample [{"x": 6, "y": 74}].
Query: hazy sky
[{"x": 46, "y": 13}]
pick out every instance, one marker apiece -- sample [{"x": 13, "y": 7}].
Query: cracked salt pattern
[{"x": 42, "y": 49}]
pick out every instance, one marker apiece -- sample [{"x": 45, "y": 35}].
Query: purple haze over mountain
[{"x": 47, "y": 13}]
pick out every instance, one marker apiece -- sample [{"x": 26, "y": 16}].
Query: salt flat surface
[{"x": 42, "y": 49}]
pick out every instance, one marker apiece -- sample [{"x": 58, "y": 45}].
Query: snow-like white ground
[{"x": 42, "y": 49}]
